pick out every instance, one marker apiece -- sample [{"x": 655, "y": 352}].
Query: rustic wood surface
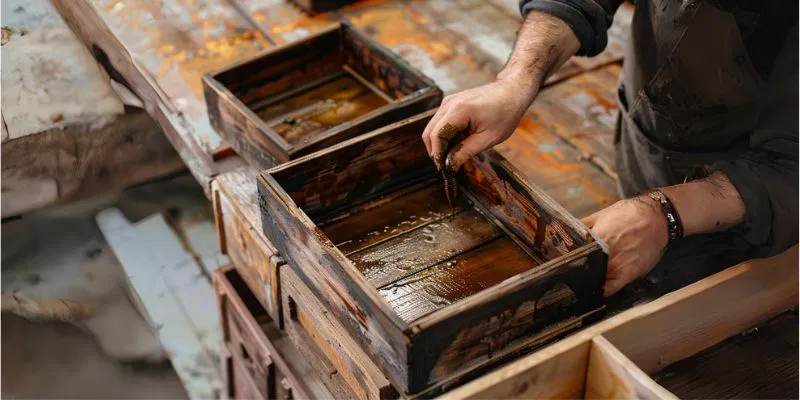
[
  {"x": 305, "y": 315},
  {"x": 66, "y": 133},
  {"x": 163, "y": 49}
]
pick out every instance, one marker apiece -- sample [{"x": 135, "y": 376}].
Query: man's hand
[
  {"x": 488, "y": 115},
  {"x": 635, "y": 231}
]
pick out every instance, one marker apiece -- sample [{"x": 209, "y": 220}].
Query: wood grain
[
  {"x": 448, "y": 338},
  {"x": 61, "y": 165},
  {"x": 466, "y": 273},
  {"x": 379, "y": 220},
  {"x": 306, "y": 316},
  {"x": 433, "y": 243},
  {"x": 719, "y": 372},
  {"x": 241, "y": 312},
  {"x": 610, "y": 375}
]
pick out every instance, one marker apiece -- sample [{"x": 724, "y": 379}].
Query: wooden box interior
[
  {"x": 305, "y": 95},
  {"x": 377, "y": 206},
  {"x": 416, "y": 250}
]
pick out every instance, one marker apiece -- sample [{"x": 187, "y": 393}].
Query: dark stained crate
[
  {"x": 304, "y": 96},
  {"x": 435, "y": 294}
]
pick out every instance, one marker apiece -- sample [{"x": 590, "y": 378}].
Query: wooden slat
[
  {"x": 610, "y": 375},
  {"x": 457, "y": 278},
  {"x": 583, "y": 110},
  {"x": 380, "y": 220},
  {"x": 770, "y": 372},
  {"x": 433, "y": 243},
  {"x": 739, "y": 298},
  {"x": 176, "y": 296}
]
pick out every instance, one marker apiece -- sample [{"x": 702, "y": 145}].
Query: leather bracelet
[{"x": 674, "y": 224}]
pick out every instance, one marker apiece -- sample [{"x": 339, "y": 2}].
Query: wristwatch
[{"x": 674, "y": 224}]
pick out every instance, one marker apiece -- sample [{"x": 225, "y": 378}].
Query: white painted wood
[{"x": 175, "y": 294}]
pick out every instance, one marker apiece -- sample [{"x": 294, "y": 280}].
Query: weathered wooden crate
[
  {"x": 258, "y": 362},
  {"x": 301, "y": 97},
  {"x": 435, "y": 294},
  {"x": 320, "y": 6},
  {"x": 312, "y": 329}
]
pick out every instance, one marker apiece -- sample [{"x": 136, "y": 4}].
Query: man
[{"x": 707, "y": 139}]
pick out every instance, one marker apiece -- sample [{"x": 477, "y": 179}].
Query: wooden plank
[
  {"x": 457, "y": 278},
  {"x": 769, "y": 372},
  {"x": 175, "y": 294},
  {"x": 61, "y": 165},
  {"x": 583, "y": 110},
  {"x": 305, "y": 313},
  {"x": 761, "y": 288},
  {"x": 611, "y": 375},
  {"x": 738, "y": 299},
  {"x": 413, "y": 251},
  {"x": 255, "y": 259},
  {"x": 380, "y": 220},
  {"x": 122, "y": 44}
]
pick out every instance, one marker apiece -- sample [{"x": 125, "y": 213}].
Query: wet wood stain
[
  {"x": 317, "y": 108},
  {"x": 423, "y": 255}
]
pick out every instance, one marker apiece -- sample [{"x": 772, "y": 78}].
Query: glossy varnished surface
[
  {"x": 456, "y": 278},
  {"x": 421, "y": 254},
  {"x": 330, "y": 103}
]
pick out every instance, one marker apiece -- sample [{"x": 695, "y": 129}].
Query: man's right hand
[{"x": 489, "y": 114}]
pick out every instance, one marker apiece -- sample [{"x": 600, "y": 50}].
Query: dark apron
[{"x": 686, "y": 72}]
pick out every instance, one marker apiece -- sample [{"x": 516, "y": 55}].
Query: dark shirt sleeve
[
  {"x": 766, "y": 175},
  {"x": 589, "y": 19}
]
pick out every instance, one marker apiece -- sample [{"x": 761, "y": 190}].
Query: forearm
[
  {"x": 543, "y": 44},
  {"x": 707, "y": 205}
]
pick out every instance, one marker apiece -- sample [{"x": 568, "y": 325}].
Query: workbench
[{"x": 161, "y": 50}]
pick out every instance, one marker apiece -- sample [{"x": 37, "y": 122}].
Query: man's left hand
[{"x": 635, "y": 231}]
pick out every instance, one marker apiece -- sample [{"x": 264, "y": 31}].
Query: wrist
[{"x": 659, "y": 232}]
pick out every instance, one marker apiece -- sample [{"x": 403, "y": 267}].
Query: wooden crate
[
  {"x": 258, "y": 361},
  {"x": 298, "y": 98},
  {"x": 320, "y": 6},
  {"x": 310, "y": 327},
  {"x": 255, "y": 259},
  {"x": 435, "y": 294},
  {"x": 617, "y": 357}
]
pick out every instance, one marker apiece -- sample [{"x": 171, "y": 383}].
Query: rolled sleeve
[
  {"x": 766, "y": 175},
  {"x": 589, "y": 19}
]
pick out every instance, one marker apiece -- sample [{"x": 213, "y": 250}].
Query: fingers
[
  {"x": 453, "y": 121},
  {"x": 426, "y": 134},
  {"x": 464, "y": 150}
]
